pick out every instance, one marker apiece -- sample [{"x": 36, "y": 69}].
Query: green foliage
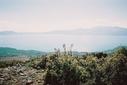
[
  {"x": 91, "y": 70},
  {"x": 95, "y": 69},
  {"x": 122, "y": 50}
]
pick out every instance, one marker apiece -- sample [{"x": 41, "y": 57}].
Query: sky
[{"x": 50, "y": 15}]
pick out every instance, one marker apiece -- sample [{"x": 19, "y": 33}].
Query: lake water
[{"x": 49, "y": 42}]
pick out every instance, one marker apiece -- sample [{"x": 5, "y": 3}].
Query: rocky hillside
[{"x": 65, "y": 69}]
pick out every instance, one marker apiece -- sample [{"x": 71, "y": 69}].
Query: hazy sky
[{"x": 48, "y": 15}]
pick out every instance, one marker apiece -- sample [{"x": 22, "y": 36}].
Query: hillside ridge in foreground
[{"x": 67, "y": 69}]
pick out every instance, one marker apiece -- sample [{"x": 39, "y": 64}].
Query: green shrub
[{"x": 91, "y": 70}]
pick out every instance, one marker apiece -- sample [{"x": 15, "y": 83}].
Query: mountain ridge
[
  {"x": 12, "y": 52},
  {"x": 95, "y": 31},
  {"x": 103, "y": 30}
]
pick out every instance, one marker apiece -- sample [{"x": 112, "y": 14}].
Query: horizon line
[{"x": 62, "y": 30}]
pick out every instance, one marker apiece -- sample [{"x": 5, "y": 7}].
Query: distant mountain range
[
  {"x": 7, "y": 32},
  {"x": 92, "y": 31},
  {"x": 95, "y": 31}
]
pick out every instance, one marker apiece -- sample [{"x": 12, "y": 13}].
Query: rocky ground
[{"x": 21, "y": 75}]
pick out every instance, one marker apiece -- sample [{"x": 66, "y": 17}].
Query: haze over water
[
  {"x": 47, "y": 42},
  {"x": 51, "y": 15}
]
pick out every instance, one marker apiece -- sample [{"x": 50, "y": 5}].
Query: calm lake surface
[{"x": 47, "y": 42}]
